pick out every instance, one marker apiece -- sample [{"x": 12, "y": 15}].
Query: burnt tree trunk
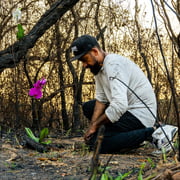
[
  {"x": 61, "y": 78},
  {"x": 77, "y": 83}
]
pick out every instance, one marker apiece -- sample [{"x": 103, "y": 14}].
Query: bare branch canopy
[{"x": 11, "y": 56}]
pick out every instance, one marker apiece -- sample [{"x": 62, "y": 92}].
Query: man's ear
[{"x": 95, "y": 51}]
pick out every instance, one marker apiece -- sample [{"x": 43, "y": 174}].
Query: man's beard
[{"x": 95, "y": 68}]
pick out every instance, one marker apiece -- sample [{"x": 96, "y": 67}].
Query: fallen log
[{"x": 30, "y": 143}]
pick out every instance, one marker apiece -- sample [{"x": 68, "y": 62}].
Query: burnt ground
[{"x": 71, "y": 160}]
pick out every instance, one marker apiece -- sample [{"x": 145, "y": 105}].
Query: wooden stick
[{"x": 95, "y": 158}]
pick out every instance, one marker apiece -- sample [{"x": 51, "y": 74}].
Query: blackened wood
[{"x": 34, "y": 145}]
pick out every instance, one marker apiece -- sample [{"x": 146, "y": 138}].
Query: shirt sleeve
[{"x": 119, "y": 102}]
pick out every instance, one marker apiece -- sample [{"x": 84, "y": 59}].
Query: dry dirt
[{"x": 73, "y": 161}]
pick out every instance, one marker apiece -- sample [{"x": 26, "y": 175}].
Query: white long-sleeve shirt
[{"x": 120, "y": 98}]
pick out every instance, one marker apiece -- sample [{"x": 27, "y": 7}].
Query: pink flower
[
  {"x": 36, "y": 91},
  {"x": 40, "y": 83}
]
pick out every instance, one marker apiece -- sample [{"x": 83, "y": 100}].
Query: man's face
[{"x": 90, "y": 61}]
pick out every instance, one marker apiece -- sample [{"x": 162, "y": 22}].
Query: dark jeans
[{"x": 126, "y": 133}]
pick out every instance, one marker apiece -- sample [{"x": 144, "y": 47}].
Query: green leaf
[
  {"x": 20, "y": 33},
  {"x": 122, "y": 176},
  {"x": 104, "y": 177},
  {"x": 118, "y": 178},
  {"x": 44, "y": 133},
  {"x": 46, "y": 142},
  {"x": 151, "y": 162},
  {"x": 31, "y": 135},
  {"x": 140, "y": 177}
]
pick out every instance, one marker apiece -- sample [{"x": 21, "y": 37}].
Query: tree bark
[
  {"x": 11, "y": 56},
  {"x": 139, "y": 42},
  {"x": 61, "y": 79}
]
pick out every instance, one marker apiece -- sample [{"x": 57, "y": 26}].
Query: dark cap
[{"x": 82, "y": 45}]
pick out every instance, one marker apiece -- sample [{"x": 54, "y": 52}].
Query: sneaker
[{"x": 159, "y": 138}]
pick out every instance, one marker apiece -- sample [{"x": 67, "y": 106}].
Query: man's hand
[
  {"x": 89, "y": 133},
  {"x": 95, "y": 124}
]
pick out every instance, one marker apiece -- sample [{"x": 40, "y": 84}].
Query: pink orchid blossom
[
  {"x": 36, "y": 91},
  {"x": 40, "y": 83}
]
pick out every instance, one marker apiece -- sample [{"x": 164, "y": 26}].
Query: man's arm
[
  {"x": 97, "y": 120},
  {"x": 99, "y": 109}
]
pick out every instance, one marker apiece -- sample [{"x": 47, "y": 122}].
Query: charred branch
[{"x": 11, "y": 56}]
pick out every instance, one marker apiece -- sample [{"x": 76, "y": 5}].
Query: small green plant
[
  {"x": 150, "y": 161},
  {"x": 84, "y": 149},
  {"x": 164, "y": 157},
  {"x": 11, "y": 165},
  {"x": 43, "y": 134},
  {"x": 140, "y": 177},
  {"x": 122, "y": 176},
  {"x": 176, "y": 143},
  {"x": 68, "y": 132},
  {"x": 106, "y": 175}
]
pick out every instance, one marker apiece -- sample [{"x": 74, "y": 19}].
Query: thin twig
[{"x": 95, "y": 158}]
